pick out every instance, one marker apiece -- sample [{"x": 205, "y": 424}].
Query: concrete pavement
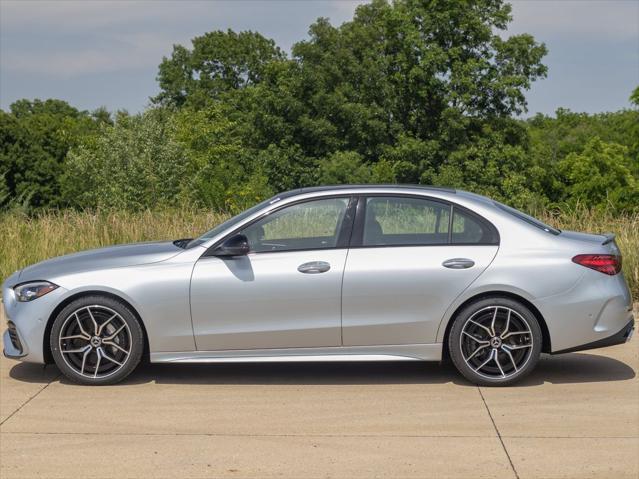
[{"x": 577, "y": 416}]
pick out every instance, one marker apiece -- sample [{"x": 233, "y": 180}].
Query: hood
[{"x": 103, "y": 258}]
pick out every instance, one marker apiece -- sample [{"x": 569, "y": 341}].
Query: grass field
[{"x": 26, "y": 240}]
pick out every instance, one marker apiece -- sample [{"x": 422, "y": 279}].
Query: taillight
[{"x": 604, "y": 263}]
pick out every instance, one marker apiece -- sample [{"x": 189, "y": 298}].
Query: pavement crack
[
  {"x": 498, "y": 433},
  {"x": 30, "y": 399}
]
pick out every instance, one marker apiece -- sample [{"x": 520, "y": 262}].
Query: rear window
[{"x": 527, "y": 218}]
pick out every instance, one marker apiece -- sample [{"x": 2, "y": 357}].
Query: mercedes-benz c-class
[{"x": 350, "y": 273}]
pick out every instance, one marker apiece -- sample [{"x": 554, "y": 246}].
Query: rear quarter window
[{"x": 469, "y": 228}]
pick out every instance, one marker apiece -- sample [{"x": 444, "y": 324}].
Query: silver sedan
[{"x": 352, "y": 273}]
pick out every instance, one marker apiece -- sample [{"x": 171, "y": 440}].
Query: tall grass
[{"x": 26, "y": 240}]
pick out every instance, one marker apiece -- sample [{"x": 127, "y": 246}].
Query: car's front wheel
[
  {"x": 495, "y": 341},
  {"x": 96, "y": 340}
]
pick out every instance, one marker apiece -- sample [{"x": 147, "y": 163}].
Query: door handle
[
  {"x": 314, "y": 267},
  {"x": 458, "y": 263}
]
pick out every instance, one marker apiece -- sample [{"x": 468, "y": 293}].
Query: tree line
[{"x": 410, "y": 91}]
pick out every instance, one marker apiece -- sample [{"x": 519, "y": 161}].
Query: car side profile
[{"x": 346, "y": 273}]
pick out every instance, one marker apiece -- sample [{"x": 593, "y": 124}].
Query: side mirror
[{"x": 237, "y": 245}]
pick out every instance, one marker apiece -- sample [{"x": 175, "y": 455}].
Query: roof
[{"x": 314, "y": 189}]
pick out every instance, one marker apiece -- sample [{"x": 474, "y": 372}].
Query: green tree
[
  {"x": 219, "y": 173},
  {"x": 552, "y": 139},
  {"x": 344, "y": 167},
  {"x": 416, "y": 77},
  {"x": 35, "y": 137},
  {"x": 164, "y": 158},
  {"x": 634, "y": 98},
  {"x": 408, "y": 91},
  {"x": 495, "y": 163},
  {"x": 133, "y": 164},
  {"x": 424, "y": 78},
  {"x": 218, "y": 62},
  {"x": 4, "y": 189},
  {"x": 600, "y": 176}
]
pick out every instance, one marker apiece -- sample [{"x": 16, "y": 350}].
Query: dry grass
[{"x": 27, "y": 240}]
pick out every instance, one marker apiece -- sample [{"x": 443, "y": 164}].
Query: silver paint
[{"x": 371, "y": 302}]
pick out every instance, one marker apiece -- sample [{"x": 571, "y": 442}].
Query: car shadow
[
  {"x": 563, "y": 369},
  {"x": 578, "y": 368}
]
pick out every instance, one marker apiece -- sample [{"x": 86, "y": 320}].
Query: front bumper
[
  {"x": 24, "y": 338},
  {"x": 13, "y": 346},
  {"x": 623, "y": 336}
]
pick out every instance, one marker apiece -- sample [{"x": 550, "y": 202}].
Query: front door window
[{"x": 303, "y": 226}]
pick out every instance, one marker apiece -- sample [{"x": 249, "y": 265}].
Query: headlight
[{"x": 30, "y": 291}]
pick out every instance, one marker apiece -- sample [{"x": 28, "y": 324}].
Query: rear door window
[
  {"x": 394, "y": 221},
  {"x": 410, "y": 221}
]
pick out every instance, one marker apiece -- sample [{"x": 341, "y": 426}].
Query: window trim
[
  {"x": 526, "y": 218},
  {"x": 343, "y": 236},
  {"x": 357, "y": 239}
]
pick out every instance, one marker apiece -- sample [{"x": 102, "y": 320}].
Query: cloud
[
  {"x": 111, "y": 53},
  {"x": 88, "y": 15},
  {"x": 347, "y": 7},
  {"x": 612, "y": 19},
  {"x": 72, "y": 38}
]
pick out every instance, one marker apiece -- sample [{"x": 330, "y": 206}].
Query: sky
[{"x": 106, "y": 53}]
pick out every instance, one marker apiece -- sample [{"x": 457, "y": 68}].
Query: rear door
[{"x": 410, "y": 257}]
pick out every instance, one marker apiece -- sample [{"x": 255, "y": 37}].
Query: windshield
[
  {"x": 527, "y": 218},
  {"x": 230, "y": 222}
]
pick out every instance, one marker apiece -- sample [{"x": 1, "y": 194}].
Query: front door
[
  {"x": 286, "y": 293},
  {"x": 411, "y": 258}
]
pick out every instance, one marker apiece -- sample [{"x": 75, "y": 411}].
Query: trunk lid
[
  {"x": 605, "y": 242},
  {"x": 587, "y": 237}
]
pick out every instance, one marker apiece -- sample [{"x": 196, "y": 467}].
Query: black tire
[
  {"x": 513, "y": 357},
  {"x": 95, "y": 310}
]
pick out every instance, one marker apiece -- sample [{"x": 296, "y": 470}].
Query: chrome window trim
[{"x": 353, "y": 192}]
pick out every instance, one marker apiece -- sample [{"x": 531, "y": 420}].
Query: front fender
[{"x": 158, "y": 292}]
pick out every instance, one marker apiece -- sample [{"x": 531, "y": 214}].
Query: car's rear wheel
[
  {"x": 96, "y": 340},
  {"x": 495, "y": 341}
]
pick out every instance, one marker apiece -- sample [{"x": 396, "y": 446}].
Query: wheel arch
[
  {"x": 46, "y": 346},
  {"x": 545, "y": 334}
]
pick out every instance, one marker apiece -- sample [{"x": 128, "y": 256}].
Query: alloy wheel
[
  {"x": 95, "y": 341},
  {"x": 496, "y": 342}
]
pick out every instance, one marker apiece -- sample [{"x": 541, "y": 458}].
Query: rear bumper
[
  {"x": 596, "y": 308},
  {"x": 620, "y": 337}
]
